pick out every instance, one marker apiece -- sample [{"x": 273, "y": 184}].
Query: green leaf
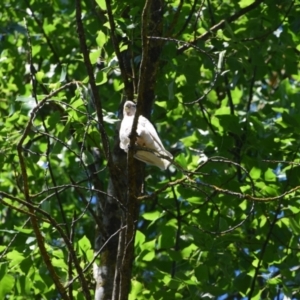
[
  {"x": 152, "y": 216},
  {"x": 136, "y": 289},
  {"x": 294, "y": 225},
  {"x": 255, "y": 173},
  {"x": 101, "y": 38},
  {"x": 101, "y": 4},
  {"x": 6, "y": 285},
  {"x": 270, "y": 175},
  {"x": 94, "y": 56},
  {"x": 139, "y": 238},
  {"x": 148, "y": 256},
  {"x": 167, "y": 237},
  {"x": 84, "y": 244},
  {"x": 15, "y": 258},
  {"x": 40, "y": 76},
  {"x": 101, "y": 78}
]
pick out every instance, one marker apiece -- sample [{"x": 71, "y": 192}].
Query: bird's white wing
[
  {"x": 148, "y": 137},
  {"x": 147, "y": 131},
  {"x": 125, "y": 131}
]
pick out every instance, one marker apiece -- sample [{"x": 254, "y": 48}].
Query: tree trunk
[{"x": 118, "y": 211}]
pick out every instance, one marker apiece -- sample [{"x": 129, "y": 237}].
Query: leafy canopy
[{"x": 224, "y": 220}]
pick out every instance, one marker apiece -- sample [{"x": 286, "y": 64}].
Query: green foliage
[{"x": 224, "y": 219}]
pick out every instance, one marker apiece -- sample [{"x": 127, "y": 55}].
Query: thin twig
[{"x": 221, "y": 24}]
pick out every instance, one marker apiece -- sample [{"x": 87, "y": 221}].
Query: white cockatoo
[{"x": 146, "y": 137}]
